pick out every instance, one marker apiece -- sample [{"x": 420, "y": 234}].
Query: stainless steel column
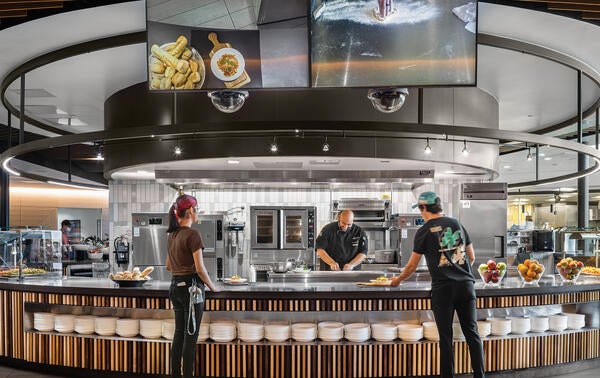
[{"x": 583, "y": 186}]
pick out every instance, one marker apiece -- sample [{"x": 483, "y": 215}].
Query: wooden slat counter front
[{"x": 96, "y": 356}]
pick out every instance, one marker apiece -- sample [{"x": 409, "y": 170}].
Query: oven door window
[
  {"x": 265, "y": 225},
  {"x": 293, "y": 229}
]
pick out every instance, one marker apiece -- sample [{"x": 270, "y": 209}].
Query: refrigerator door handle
[{"x": 502, "y": 246}]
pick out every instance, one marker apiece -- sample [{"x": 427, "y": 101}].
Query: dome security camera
[
  {"x": 228, "y": 101},
  {"x": 387, "y": 100}
]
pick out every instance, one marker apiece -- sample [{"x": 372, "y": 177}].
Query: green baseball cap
[{"x": 426, "y": 198}]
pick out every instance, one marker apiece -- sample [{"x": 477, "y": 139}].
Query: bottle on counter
[{"x": 251, "y": 274}]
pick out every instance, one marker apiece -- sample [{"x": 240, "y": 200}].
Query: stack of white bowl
[
  {"x": 64, "y": 323},
  {"x": 304, "y": 332},
  {"x": 203, "y": 332},
  {"x": 277, "y": 332},
  {"x": 540, "y": 323},
  {"x": 384, "y": 331},
  {"x": 251, "y": 332},
  {"x": 484, "y": 328},
  {"x": 85, "y": 324},
  {"x": 128, "y": 327},
  {"x": 168, "y": 328},
  {"x": 330, "y": 331},
  {"x": 105, "y": 325},
  {"x": 222, "y": 331},
  {"x": 520, "y": 326},
  {"x": 357, "y": 332},
  {"x": 500, "y": 326},
  {"x": 410, "y": 332},
  {"x": 574, "y": 321},
  {"x": 457, "y": 332},
  {"x": 430, "y": 331},
  {"x": 558, "y": 322},
  {"x": 43, "y": 321},
  {"x": 151, "y": 328}
]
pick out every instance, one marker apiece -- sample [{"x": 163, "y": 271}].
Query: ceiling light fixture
[
  {"x": 233, "y": 162},
  {"x": 529, "y": 155},
  {"x": 177, "y": 150},
  {"x": 7, "y": 168},
  {"x": 325, "y": 147},
  {"x": 427, "y": 147},
  {"x": 274, "y": 147},
  {"x": 465, "y": 151}
]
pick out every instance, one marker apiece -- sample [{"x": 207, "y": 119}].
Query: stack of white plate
[
  {"x": 277, "y": 332},
  {"x": 203, "y": 332},
  {"x": 430, "y": 331},
  {"x": 251, "y": 332},
  {"x": 168, "y": 328},
  {"x": 151, "y": 328},
  {"x": 222, "y": 331},
  {"x": 331, "y": 331},
  {"x": 64, "y": 323},
  {"x": 558, "y": 323},
  {"x": 304, "y": 332},
  {"x": 539, "y": 323},
  {"x": 484, "y": 328},
  {"x": 357, "y": 332},
  {"x": 128, "y": 327},
  {"x": 500, "y": 326},
  {"x": 84, "y": 324},
  {"x": 520, "y": 326},
  {"x": 457, "y": 332},
  {"x": 105, "y": 325},
  {"x": 574, "y": 321},
  {"x": 384, "y": 331},
  {"x": 410, "y": 332},
  {"x": 43, "y": 321}
]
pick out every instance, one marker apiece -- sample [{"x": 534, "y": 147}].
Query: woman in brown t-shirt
[{"x": 184, "y": 261}]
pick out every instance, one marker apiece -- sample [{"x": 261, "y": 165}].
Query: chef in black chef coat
[{"x": 342, "y": 245}]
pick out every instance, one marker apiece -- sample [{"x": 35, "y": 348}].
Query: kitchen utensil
[
  {"x": 280, "y": 266},
  {"x": 384, "y": 256}
]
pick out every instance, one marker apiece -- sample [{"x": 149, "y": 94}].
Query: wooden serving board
[
  {"x": 244, "y": 77},
  {"x": 374, "y": 284}
]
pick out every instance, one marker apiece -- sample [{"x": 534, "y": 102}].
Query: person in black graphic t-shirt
[
  {"x": 449, "y": 254},
  {"x": 342, "y": 245}
]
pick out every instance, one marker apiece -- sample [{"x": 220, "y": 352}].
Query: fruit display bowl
[
  {"x": 569, "y": 269},
  {"x": 492, "y": 273},
  {"x": 530, "y": 271}
]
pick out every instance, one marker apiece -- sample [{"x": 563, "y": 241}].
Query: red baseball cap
[{"x": 185, "y": 202}]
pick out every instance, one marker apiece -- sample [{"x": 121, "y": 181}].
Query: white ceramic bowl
[
  {"x": 384, "y": 331},
  {"x": 410, "y": 332},
  {"x": 574, "y": 321},
  {"x": 558, "y": 322},
  {"x": 251, "y": 332},
  {"x": 331, "y": 331},
  {"x": 85, "y": 324},
  {"x": 203, "y": 332},
  {"x": 277, "y": 332},
  {"x": 168, "y": 328},
  {"x": 540, "y": 323},
  {"x": 128, "y": 327},
  {"x": 430, "y": 331},
  {"x": 519, "y": 325},
  {"x": 151, "y": 328},
  {"x": 484, "y": 328},
  {"x": 500, "y": 326},
  {"x": 43, "y": 321},
  {"x": 357, "y": 332},
  {"x": 64, "y": 323},
  {"x": 105, "y": 325},
  {"x": 304, "y": 332},
  {"x": 222, "y": 331}
]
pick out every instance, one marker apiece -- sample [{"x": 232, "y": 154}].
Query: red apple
[{"x": 491, "y": 265}]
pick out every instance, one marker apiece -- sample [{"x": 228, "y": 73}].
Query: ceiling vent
[{"x": 278, "y": 165}]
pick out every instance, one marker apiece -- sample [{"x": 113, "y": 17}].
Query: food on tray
[
  {"x": 569, "y": 269},
  {"x": 591, "y": 270},
  {"x": 175, "y": 66},
  {"x": 530, "y": 270},
  {"x": 382, "y": 279},
  {"x": 229, "y": 64},
  {"x": 134, "y": 275},
  {"x": 492, "y": 272},
  {"x": 26, "y": 271}
]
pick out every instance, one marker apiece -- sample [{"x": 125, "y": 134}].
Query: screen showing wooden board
[{"x": 383, "y": 43}]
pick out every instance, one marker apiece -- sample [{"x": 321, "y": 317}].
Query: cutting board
[
  {"x": 387, "y": 284},
  {"x": 243, "y": 79}
]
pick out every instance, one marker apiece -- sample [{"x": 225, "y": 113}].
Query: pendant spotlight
[
  {"x": 100, "y": 155},
  {"x": 177, "y": 150},
  {"x": 529, "y": 155},
  {"x": 325, "y": 147},
  {"x": 274, "y": 147},
  {"x": 465, "y": 151},
  {"x": 427, "y": 147}
]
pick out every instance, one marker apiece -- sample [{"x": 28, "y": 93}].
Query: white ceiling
[{"x": 531, "y": 92}]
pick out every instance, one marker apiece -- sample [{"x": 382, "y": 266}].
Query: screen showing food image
[
  {"x": 200, "y": 45},
  {"x": 371, "y": 43}
]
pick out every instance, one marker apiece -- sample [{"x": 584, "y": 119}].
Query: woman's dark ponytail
[{"x": 173, "y": 222}]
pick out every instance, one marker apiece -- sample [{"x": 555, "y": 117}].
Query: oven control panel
[{"x": 311, "y": 229}]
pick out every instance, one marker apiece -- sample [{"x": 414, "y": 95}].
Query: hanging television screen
[
  {"x": 199, "y": 45},
  {"x": 383, "y": 43}
]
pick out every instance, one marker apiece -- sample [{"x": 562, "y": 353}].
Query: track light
[
  {"x": 465, "y": 151},
  {"x": 529, "y": 155},
  {"x": 325, "y": 147},
  {"x": 177, "y": 150},
  {"x": 274, "y": 147},
  {"x": 99, "y": 156},
  {"x": 427, "y": 147}
]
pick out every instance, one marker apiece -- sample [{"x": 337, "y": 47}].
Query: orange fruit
[
  {"x": 539, "y": 269},
  {"x": 523, "y": 269},
  {"x": 527, "y": 279},
  {"x": 532, "y": 266},
  {"x": 531, "y": 273},
  {"x": 527, "y": 262},
  {"x": 537, "y": 276}
]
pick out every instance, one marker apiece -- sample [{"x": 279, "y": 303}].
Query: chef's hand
[
  {"x": 334, "y": 266},
  {"x": 396, "y": 281},
  {"x": 214, "y": 289},
  {"x": 348, "y": 267}
]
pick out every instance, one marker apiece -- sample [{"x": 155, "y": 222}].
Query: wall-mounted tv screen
[
  {"x": 382, "y": 43},
  {"x": 202, "y": 45}
]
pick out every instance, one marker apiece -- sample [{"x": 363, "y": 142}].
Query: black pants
[
  {"x": 459, "y": 296},
  {"x": 184, "y": 344}
]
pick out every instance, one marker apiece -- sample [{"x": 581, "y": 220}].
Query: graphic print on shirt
[{"x": 452, "y": 242}]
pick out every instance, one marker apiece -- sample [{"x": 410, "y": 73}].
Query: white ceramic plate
[{"x": 218, "y": 73}]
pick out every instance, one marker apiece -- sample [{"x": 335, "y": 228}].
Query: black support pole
[
  {"x": 583, "y": 185},
  {"x": 69, "y": 162},
  {"x": 537, "y": 162},
  {"x": 5, "y": 185},
  {"x": 420, "y": 115},
  {"x": 22, "y": 110},
  {"x": 598, "y": 128}
]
